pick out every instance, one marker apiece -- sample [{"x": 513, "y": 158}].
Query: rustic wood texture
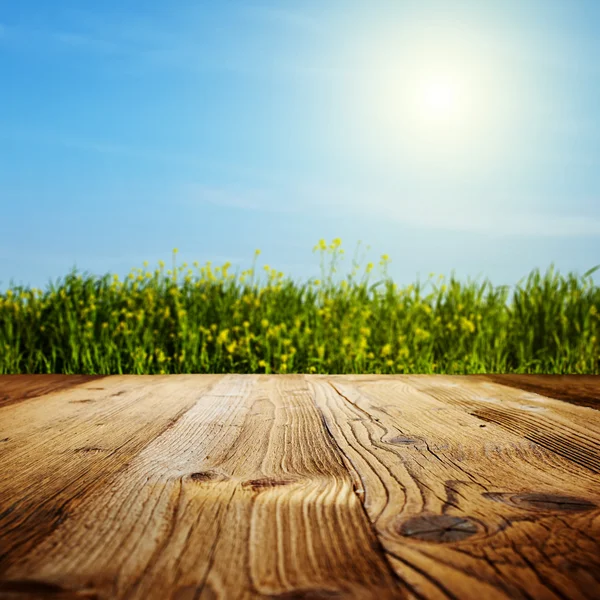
[{"x": 299, "y": 486}]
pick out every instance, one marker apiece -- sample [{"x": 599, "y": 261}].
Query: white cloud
[
  {"x": 284, "y": 16},
  {"x": 81, "y": 41},
  {"x": 194, "y": 195},
  {"x": 484, "y": 219},
  {"x": 489, "y": 218}
]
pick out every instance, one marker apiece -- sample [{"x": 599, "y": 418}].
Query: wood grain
[
  {"x": 16, "y": 388},
  {"x": 583, "y": 390},
  {"x": 297, "y": 486},
  {"x": 465, "y": 507},
  {"x": 243, "y": 496}
]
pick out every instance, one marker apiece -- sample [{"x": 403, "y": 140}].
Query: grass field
[{"x": 216, "y": 322}]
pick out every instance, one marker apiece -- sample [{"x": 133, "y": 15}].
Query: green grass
[{"x": 156, "y": 322}]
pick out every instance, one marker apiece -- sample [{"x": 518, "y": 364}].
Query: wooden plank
[
  {"x": 582, "y": 390},
  {"x": 16, "y": 388},
  {"x": 61, "y": 447},
  {"x": 573, "y": 432},
  {"x": 465, "y": 507},
  {"x": 244, "y": 496}
]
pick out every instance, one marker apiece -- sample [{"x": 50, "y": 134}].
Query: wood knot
[
  {"x": 542, "y": 501},
  {"x": 402, "y": 440},
  {"x": 208, "y": 476},
  {"x": 90, "y": 449},
  {"x": 438, "y": 528},
  {"x": 258, "y": 485}
]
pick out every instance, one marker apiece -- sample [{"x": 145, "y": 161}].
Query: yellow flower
[
  {"x": 387, "y": 349},
  {"x": 389, "y": 362},
  {"x": 246, "y": 324},
  {"x": 175, "y": 251},
  {"x": 222, "y": 337},
  {"x": 421, "y": 333},
  {"x": 371, "y": 355},
  {"x": 467, "y": 324},
  {"x": 403, "y": 353},
  {"x": 262, "y": 363},
  {"x": 265, "y": 323},
  {"x": 231, "y": 348}
]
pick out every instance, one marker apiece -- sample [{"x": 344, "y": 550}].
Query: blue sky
[{"x": 128, "y": 128}]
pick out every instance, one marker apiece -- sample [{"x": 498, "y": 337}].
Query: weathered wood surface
[{"x": 299, "y": 486}]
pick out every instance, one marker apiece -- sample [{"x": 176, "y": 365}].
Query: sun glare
[
  {"x": 432, "y": 98},
  {"x": 439, "y": 96}
]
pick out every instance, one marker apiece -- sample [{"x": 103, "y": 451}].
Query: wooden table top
[{"x": 300, "y": 486}]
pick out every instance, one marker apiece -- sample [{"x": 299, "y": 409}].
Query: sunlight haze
[{"x": 449, "y": 135}]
